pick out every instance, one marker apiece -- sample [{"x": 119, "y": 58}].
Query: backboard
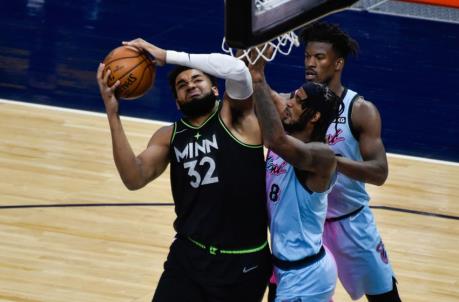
[{"x": 252, "y": 22}]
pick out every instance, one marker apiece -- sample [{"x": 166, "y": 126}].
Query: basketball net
[{"x": 282, "y": 44}]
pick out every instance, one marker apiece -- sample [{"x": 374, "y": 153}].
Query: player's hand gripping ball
[{"x": 135, "y": 69}]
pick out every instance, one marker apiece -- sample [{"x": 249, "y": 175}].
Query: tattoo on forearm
[{"x": 266, "y": 111}]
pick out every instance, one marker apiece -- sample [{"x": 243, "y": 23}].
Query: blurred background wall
[{"x": 409, "y": 67}]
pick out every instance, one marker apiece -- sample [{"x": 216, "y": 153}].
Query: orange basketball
[{"x": 135, "y": 70}]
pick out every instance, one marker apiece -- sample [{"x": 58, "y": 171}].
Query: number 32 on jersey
[{"x": 196, "y": 178}]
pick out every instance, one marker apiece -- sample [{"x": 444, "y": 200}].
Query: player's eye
[{"x": 181, "y": 85}]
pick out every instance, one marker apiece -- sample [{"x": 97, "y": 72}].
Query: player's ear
[
  {"x": 339, "y": 64},
  {"x": 316, "y": 117},
  {"x": 215, "y": 90}
]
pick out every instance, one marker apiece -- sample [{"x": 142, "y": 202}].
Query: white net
[{"x": 282, "y": 44}]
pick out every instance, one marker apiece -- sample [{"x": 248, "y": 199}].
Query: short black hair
[
  {"x": 341, "y": 42},
  {"x": 178, "y": 69}
]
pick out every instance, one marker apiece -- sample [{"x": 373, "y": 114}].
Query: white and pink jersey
[{"x": 347, "y": 194}]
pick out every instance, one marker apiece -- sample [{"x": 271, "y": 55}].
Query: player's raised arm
[{"x": 135, "y": 171}]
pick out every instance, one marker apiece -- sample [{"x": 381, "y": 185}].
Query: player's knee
[{"x": 391, "y": 296}]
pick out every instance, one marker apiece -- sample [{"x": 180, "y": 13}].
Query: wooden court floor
[{"x": 70, "y": 231}]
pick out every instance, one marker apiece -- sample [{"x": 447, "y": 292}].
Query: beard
[
  {"x": 292, "y": 128},
  {"x": 199, "y": 106},
  {"x": 300, "y": 124}
]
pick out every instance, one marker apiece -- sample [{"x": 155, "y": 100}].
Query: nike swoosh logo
[
  {"x": 245, "y": 270},
  {"x": 183, "y": 130}
]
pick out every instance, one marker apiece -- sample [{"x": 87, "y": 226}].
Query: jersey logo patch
[
  {"x": 340, "y": 120},
  {"x": 245, "y": 270},
  {"x": 333, "y": 139},
  {"x": 195, "y": 149},
  {"x": 274, "y": 168},
  {"x": 183, "y": 130}
]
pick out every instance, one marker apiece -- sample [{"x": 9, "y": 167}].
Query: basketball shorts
[
  {"x": 192, "y": 274},
  {"x": 312, "y": 283},
  {"x": 362, "y": 262}
]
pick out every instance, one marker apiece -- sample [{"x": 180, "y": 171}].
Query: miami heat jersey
[
  {"x": 347, "y": 194},
  {"x": 218, "y": 185},
  {"x": 297, "y": 215}
]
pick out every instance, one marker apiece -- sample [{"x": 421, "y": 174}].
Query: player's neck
[
  {"x": 336, "y": 86},
  {"x": 199, "y": 120}
]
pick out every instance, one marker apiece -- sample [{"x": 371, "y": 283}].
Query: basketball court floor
[{"x": 69, "y": 230}]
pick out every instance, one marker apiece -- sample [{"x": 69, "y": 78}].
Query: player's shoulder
[
  {"x": 364, "y": 105},
  {"x": 163, "y": 134},
  {"x": 164, "y": 129},
  {"x": 364, "y": 115}
]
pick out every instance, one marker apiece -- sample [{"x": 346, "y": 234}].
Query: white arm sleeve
[{"x": 238, "y": 80}]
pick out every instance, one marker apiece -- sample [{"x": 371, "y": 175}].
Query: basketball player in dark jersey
[{"x": 217, "y": 175}]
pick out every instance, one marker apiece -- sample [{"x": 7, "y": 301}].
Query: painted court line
[{"x": 151, "y": 204}]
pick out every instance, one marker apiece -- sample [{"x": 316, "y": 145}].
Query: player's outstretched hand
[
  {"x": 257, "y": 70},
  {"x": 158, "y": 54}
]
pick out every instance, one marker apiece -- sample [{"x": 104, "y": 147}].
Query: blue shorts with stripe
[{"x": 312, "y": 283}]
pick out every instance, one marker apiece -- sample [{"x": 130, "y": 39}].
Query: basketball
[{"x": 135, "y": 70}]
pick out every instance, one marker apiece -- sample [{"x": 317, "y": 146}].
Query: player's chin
[
  {"x": 285, "y": 123},
  {"x": 285, "y": 116},
  {"x": 194, "y": 97}
]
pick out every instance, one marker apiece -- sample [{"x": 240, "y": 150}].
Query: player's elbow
[
  {"x": 239, "y": 87},
  {"x": 331, "y": 161},
  {"x": 324, "y": 158},
  {"x": 131, "y": 185},
  {"x": 381, "y": 176}
]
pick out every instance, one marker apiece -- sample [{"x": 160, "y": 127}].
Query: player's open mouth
[
  {"x": 310, "y": 75},
  {"x": 193, "y": 95}
]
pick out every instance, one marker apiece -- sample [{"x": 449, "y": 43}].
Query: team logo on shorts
[{"x": 382, "y": 252}]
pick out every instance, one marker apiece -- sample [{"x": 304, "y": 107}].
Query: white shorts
[
  {"x": 362, "y": 261},
  {"x": 313, "y": 283}
]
